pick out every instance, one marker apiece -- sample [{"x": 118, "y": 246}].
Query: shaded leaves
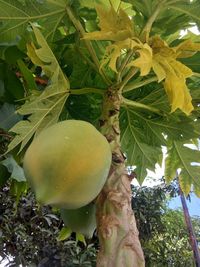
[{"x": 15, "y": 17}]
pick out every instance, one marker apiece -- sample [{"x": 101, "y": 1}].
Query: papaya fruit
[
  {"x": 82, "y": 220},
  {"x": 67, "y": 164}
]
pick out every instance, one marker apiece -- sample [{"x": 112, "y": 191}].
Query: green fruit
[
  {"x": 67, "y": 164},
  {"x": 81, "y": 220}
]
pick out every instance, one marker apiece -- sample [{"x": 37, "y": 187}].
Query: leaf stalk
[
  {"x": 88, "y": 44},
  {"x": 86, "y": 91},
  {"x": 134, "y": 85},
  {"x": 127, "y": 102}
]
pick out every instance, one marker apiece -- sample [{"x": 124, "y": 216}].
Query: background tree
[
  {"x": 137, "y": 82},
  {"x": 29, "y": 234},
  {"x": 163, "y": 232}
]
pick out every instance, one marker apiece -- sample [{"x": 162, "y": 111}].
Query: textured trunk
[
  {"x": 117, "y": 231},
  {"x": 192, "y": 237}
]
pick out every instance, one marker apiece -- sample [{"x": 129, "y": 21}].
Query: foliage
[
  {"x": 163, "y": 232},
  {"x": 171, "y": 241},
  {"x": 60, "y": 60},
  {"x": 29, "y": 232},
  {"x": 131, "y": 48}
]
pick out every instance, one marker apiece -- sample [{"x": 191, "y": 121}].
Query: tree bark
[
  {"x": 192, "y": 237},
  {"x": 116, "y": 225}
]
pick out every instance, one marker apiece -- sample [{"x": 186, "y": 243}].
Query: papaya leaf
[
  {"x": 15, "y": 17},
  {"x": 167, "y": 68},
  {"x": 114, "y": 51},
  {"x": 141, "y": 128},
  {"x": 178, "y": 94},
  {"x": 127, "y": 7},
  {"x": 46, "y": 108},
  {"x": 188, "y": 160},
  {"x": 114, "y": 25},
  {"x": 187, "y": 48},
  {"x": 144, "y": 61},
  {"x": 191, "y": 9},
  {"x": 65, "y": 233},
  {"x": 134, "y": 144}
]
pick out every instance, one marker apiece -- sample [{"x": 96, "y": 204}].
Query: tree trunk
[
  {"x": 192, "y": 237},
  {"x": 116, "y": 226}
]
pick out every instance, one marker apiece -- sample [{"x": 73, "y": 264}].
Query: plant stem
[
  {"x": 147, "y": 28},
  {"x": 86, "y": 91},
  {"x": 130, "y": 74},
  {"x": 123, "y": 65},
  {"x": 88, "y": 44},
  {"x": 116, "y": 226},
  {"x": 173, "y": 2},
  {"x": 133, "y": 85},
  {"x": 127, "y": 102},
  {"x": 196, "y": 74}
]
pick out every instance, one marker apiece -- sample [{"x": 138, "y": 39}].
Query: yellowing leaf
[
  {"x": 175, "y": 74},
  {"x": 180, "y": 69},
  {"x": 111, "y": 55},
  {"x": 113, "y": 52},
  {"x": 158, "y": 69},
  {"x": 161, "y": 48},
  {"x": 178, "y": 94},
  {"x": 144, "y": 61},
  {"x": 185, "y": 186},
  {"x": 187, "y": 49},
  {"x": 114, "y": 25},
  {"x": 166, "y": 67}
]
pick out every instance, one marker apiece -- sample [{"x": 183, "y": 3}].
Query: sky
[{"x": 193, "y": 204}]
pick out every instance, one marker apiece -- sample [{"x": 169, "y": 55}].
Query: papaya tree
[{"x": 123, "y": 66}]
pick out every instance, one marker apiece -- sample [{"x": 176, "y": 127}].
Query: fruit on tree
[
  {"x": 67, "y": 164},
  {"x": 82, "y": 220}
]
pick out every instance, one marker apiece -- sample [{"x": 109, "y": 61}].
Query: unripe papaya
[
  {"x": 67, "y": 164},
  {"x": 82, "y": 220}
]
